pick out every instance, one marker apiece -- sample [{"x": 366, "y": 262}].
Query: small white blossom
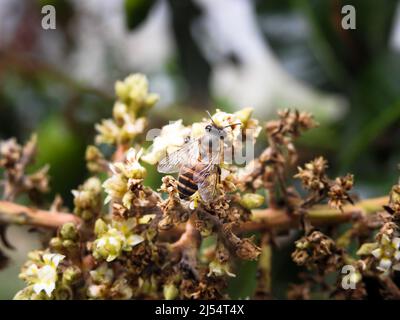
[
  {"x": 117, "y": 238},
  {"x": 219, "y": 269},
  {"x": 44, "y": 277},
  {"x": 172, "y": 136},
  {"x": 388, "y": 253}
]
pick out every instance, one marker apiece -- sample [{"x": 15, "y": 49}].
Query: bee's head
[{"x": 216, "y": 131}]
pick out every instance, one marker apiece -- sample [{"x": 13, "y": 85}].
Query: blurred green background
[{"x": 200, "y": 55}]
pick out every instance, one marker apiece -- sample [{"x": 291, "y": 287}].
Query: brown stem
[
  {"x": 18, "y": 214},
  {"x": 263, "y": 219},
  {"x": 280, "y": 220},
  {"x": 188, "y": 238}
]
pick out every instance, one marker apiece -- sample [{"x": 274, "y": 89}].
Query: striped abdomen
[{"x": 186, "y": 184}]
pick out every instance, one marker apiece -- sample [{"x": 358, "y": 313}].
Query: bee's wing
[
  {"x": 187, "y": 154},
  {"x": 207, "y": 185},
  {"x": 208, "y": 178}
]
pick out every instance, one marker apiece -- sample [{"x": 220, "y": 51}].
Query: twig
[
  {"x": 18, "y": 214},
  {"x": 280, "y": 220}
]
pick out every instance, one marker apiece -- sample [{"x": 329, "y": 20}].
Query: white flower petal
[
  {"x": 384, "y": 264},
  {"x": 397, "y": 255},
  {"x": 57, "y": 258},
  {"x": 134, "y": 240},
  {"x": 49, "y": 288},
  {"x": 377, "y": 253},
  {"x": 396, "y": 243}
]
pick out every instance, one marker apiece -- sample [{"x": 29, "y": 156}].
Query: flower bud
[
  {"x": 251, "y": 200},
  {"x": 70, "y": 275},
  {"x": 69, "y": 244},
  {"x": 100, "y": 227},
  {"x": 170, "y": 291},
  {"x": 69, "y": 231},
  {"x": 96, "y": 291},
  {"x": 136, "y": 171},
  {"x": 244, "y": 115},
  {"x": 121, "y": 90},
  {"x": 56, "y": 243},
  {"x": 367, "y": 248}
]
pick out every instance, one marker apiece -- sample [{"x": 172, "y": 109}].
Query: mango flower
[
  {"x": 219, "y": 269},
  {"x": 133, "y": 91},
  {"x": 115, "y": 239},
  {"x": 133, "y": 97},
  {"x": 117, "y": 186},
  {"x": 387, "y": 253},
  {"x": 43, "y": 278},
  {"x": 171, "y": 138}
]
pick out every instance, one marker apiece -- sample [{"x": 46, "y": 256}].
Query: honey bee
[{"x": 198, "y": 163}]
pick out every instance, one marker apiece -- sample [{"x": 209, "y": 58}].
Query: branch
[
  {"x": 279, "y": 219},
  {"x": 18, "y": 214},
  {"x": 264, "y": 219}
]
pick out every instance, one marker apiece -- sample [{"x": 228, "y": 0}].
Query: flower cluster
[
  {"x": 317, "y": 251},
  {"x": 41, "y": 274},
  {"x": 14, "y": 158},
  {"x": 133, "y": 100},
  {"x": 113, "y": 239},
  {"x": 142, "y": 243},
  {"x": 105, "y": 285},
  {"x": 385, "y": 251},
  {"x": 126, "y": 178},
  {"x": 88, "y": 199},
  {"x": 313, "y": 175},
  {"x": 338, "y": 191},
  {"x": 314, "y": 179},
  {"x": 95, "y": 160}
]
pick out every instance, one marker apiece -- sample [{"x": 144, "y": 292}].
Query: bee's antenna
[
  {"x": 233, "y": 124},
  {"x": 209, "y": 115}
]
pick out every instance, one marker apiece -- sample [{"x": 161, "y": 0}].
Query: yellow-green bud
[
  {"x": 252, "y": 200},
  {"x": 244, "y": 114},
  {"x": 170, "y": 291},
  {"x": 69, "y": 244},
  {"x": 24, "y": 294},
  {"x": 367, "y": 248},
  {"x": 86, "y": 215},
  {"x": 35, "y": 256},
  {"x": 69, "y": 231},
  {"x": 121, "y": 90},
  {"x": 70, "y": 275},
  {"x": 100, "y": 227},
  {"x": 92, "y": 184},
  {"x": 93, "y": 153},
  {"x": 136, "y": 171},
  {"x": 56, "y": 243}
]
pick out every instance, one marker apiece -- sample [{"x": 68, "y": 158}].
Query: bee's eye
[{"x": 208, "y": 128}]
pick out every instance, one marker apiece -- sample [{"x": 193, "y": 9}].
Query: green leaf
[{"x": 136, "y": 11}]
